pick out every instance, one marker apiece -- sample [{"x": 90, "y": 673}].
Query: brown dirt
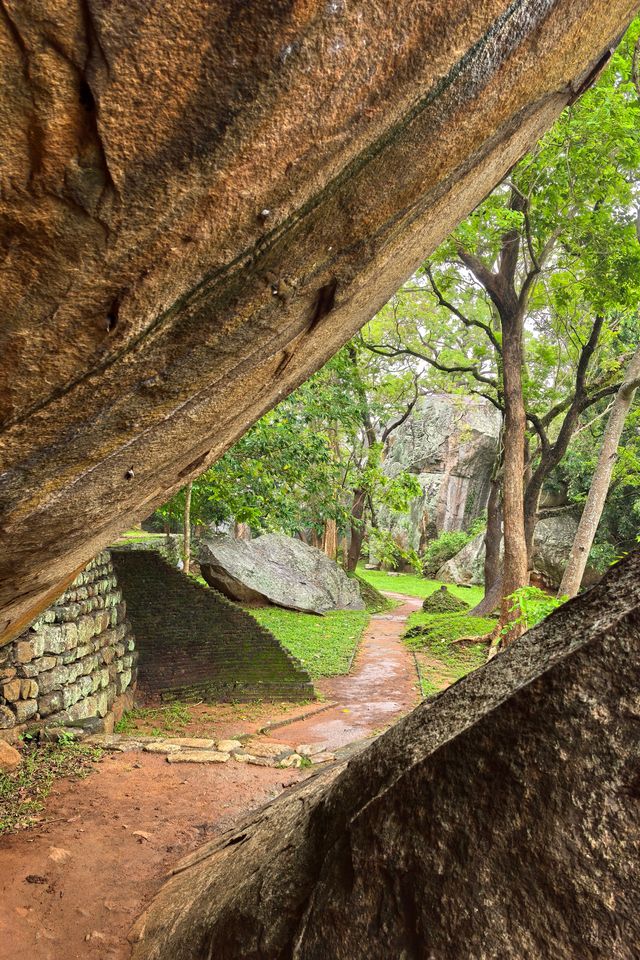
[{"x": 99, "y": 868}]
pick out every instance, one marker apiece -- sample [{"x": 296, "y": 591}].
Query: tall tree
[
  {"x": 523, "y": 304},
  {"x": 601, "y": 480}
]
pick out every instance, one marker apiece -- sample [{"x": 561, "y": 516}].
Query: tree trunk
[
  {"x": 516, "y": 568},
  {"x": 600, "y": 482},
  {"x": 492, "y": 562},
  {"x": 396, "y": 851},
  {"x": 187, "y": 528},
  {"x": 357, "y": 529},
  {"x": 330, "y": 539}
]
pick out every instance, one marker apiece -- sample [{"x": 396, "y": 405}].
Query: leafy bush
[
  {"x": 534, "y": 606},
  {"x": 442, "y": 549}
]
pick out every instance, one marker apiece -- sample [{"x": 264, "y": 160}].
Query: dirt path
[
  {"x": 71, "y": 888},
  {"x": 381, "y": 686}
]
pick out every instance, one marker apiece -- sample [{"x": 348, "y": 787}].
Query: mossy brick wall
[
  {"x": 194, "y": 644},
  {"x": 75, "y": 659}
]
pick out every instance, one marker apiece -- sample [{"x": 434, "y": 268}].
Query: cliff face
[
  {"x": 201, "y": 202},
  {"x": 450, "y": 443}
]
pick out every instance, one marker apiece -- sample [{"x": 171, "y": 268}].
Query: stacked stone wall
[
  {"x": 194, "y": 644},
  {"x": 75, "y": 660}
]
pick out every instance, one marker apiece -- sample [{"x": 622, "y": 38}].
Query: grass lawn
[
  {"x": 325, "y": 645},
  {"x": 440, "y": 659},
  {"x": 415, "y": 586}
]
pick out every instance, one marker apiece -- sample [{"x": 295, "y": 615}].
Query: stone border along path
[{"x": 382, "y": 685}]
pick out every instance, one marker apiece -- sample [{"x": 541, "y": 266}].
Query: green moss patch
[{"x": 443, "y": 601}]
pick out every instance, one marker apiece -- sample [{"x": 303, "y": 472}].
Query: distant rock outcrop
[
  {"x": 552, "y": 543},
  {"x": 450, "y": 443},
  {"x": 277, "y": 569}
]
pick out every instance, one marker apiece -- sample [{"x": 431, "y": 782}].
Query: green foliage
[
  {"x": 389, "y": 552},
  {"x": 442, "y": 549},
  {"x": 533, "y": 605},
  {"x": 22, "y": 793},
  {"x": 324, "y": 645}
]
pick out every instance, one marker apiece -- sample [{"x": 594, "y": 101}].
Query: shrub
[
  {"x": 441, "y": 550},
  {"x": 534, "y": 606}
]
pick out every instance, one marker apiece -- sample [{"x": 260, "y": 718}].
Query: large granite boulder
[
  {"x": 450, "y": 442},
  {"x": 277, "y": 569},
  {"x": 201, "y": 202},
  {"x": 552, "y": 542},
  {"x": 499, "y": 820}
]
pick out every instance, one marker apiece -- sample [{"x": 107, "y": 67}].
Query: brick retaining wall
[{"x": 194, "y": 644}]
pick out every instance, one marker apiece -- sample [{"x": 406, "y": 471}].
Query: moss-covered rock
[{"x": 443, "y": 601}]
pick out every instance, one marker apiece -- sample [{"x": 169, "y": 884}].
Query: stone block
[
  {"x": 11, "y": 690},
  {"x": 7, "y": 718},
  {"x": 8, "y": 673},
  {"x": 53, "y": 639},
  {"x": 53, "y": 679},
  {"x": 71, "y": 635},
  {"x": 25, "y": 710},
  {"x": 103, "y": 701},
  {"x": 44, "y": 663},
  {"x": 28, "y": 690},
  {"x": 29, "y": 669},
  {"x": 10, "y": 759},
  {"x": 108, "y": 655},
  {"x": 124, "y": 679},
  {"x": 50, "y": 703},
  {"x": 70, "y": 695},
  {"x": 86, "y": 629},
  {"x": 23, "y": 651}
]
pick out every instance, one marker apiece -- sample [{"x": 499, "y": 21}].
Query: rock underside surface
[
  {"x": 499, "y": 819},
  {"x": 201, "y": 202}
]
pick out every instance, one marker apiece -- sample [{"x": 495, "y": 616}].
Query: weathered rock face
[
  {"x": 201, "y": 202},
  {"x": 497, "y": 820},
  {"x": 450, "y": 442},
  {"x": 551, "y": 545},
  {"x": 280, "y": 570}
]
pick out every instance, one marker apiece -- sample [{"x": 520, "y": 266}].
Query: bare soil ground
[{"x": 72, "y": 885}]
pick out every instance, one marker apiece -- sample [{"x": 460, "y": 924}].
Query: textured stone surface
[
  {"x": 280, "y": 570},
  {"x": 197, "y": 756},
  {"x": 551, "y": 545},
  {"x": 450, "y": 443},
  {"x": 201, "y": 202},
  {"x": 498, "y": 820},
  {"x": 71, "y": 663},
  {"x": 10, "y": 759}
]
